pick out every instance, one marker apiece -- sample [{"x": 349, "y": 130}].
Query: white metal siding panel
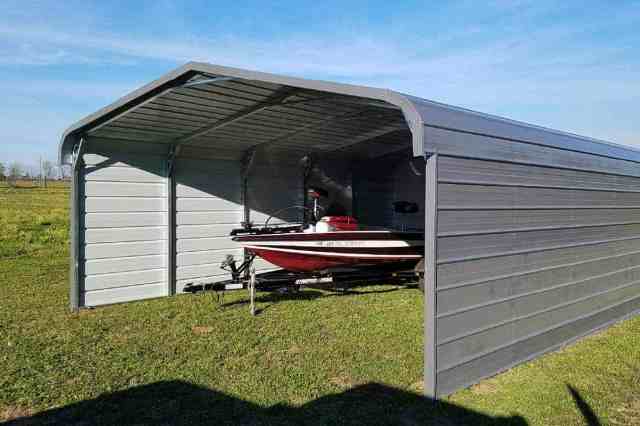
[
  {"x": 208, "y": 207},
  {"x": 124, "y": 189},
  {"x": 206, "y": 217},
  {"x": 124, "y": 249},
  {"x": 123, "y": 279},
  {"x": 534, "y": 249},
  {"x": 275, "y": 183},
  {"x": 122, "y": 174},
  {"x": 114, "y": 235},
  {"x": 124, "y": 294},
  {"x": 124, "y": 204},
  {"x": 192, "y": 232},
  {"x": 124, "y": 217},
  {"x": 123, "y": 264}
]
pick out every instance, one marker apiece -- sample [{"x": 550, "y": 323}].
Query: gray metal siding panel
[
  {"x": 465, "y": 170},
  {"x": 123, "y": 223},
  {"x": 373, "y": 192},
  {"x": 487, "y": 197},
  {"x": 378, "y": 183},
  {"x": 492, "y": 289},
  {"x": 492, "y": 362},
  {"x": 461, "y": 222},
  {"x": 504, "y": 314},
  {"x": 528, "y": 256},
  {"x": 474, "y": 246},
  {"x": 468, "y": 272},
  {"x": 452, "y": 143}
]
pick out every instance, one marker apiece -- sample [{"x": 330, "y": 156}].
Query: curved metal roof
[
  {"x": 201, "y": 105},
  {"x": 207, "y": 105}
]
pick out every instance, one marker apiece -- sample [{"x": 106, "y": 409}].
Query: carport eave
[
  {"x": 74, "y": 132},
  {"x": 184, "y": 73}
]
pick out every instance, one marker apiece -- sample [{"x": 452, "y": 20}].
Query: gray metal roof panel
[{"x": 253, "y": 86}]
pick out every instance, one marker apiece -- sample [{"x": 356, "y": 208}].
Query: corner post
[
  {"x": 430, "y": 275},
  {"x": 172, "y": 253},
  {"x": 75, "y": 226}
]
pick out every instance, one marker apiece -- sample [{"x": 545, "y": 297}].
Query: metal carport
[{"x": 532, "y": 235}]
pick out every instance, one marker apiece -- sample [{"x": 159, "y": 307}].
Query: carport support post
[
  {"x": 171, "y": 220},
  {"x": 430, "y": 271},
  {"x": 74, "y": 276}
]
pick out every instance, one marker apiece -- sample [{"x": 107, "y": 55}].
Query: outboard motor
[{"x": 337, "y": 223}]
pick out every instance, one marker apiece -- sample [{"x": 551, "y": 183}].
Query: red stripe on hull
[{"x": 302, "y": 262}]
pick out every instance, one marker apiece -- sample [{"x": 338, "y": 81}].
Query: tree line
[{"x": 48, "y": 170}]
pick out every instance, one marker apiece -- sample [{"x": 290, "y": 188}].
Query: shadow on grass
[
  {"x": 587, "y": 412},
  {"x": 177, "y": 402},
  {"x": 307, "y": 294}
]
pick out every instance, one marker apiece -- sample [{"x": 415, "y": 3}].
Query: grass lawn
[{"x": 312, "y": 358}]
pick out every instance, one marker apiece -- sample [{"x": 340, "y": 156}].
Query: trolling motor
[{"x": 315, "y": 194}]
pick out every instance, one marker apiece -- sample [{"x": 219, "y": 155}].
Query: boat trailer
[{"x": 244, "y": 277}]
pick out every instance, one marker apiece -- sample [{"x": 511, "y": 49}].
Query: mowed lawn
[{"x": 313, "y": 358}]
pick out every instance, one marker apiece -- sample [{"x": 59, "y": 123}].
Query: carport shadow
[{"x": 182, "y": 403}]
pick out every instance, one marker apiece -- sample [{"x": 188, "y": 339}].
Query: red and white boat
[{"x": 334, "y": 242}]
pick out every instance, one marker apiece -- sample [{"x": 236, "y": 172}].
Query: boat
[{"x": 334, "y": 242}]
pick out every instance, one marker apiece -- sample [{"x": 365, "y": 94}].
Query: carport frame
[
  {"x": 182, "y": 77},
  {"x": 421, "y": 116}
]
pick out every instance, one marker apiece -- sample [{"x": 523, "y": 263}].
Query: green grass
[{"x": 315, "y": 357}]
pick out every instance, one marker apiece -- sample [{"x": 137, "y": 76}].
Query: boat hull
[{"x": 308, "y": 252}]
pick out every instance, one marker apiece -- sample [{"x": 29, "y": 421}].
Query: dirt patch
[
  {"x": 201, "y": 329},
  {"x": 343, "y": 381},
  {"x": 12, "y": 413},
  {"x": 484, "y": 388},
  {"x": 295, "y": 349}
]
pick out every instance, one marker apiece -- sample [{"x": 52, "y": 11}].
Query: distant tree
[
  {"x": 15, "y": 172},
  {"x": 3, "y": 172},
  {"x": 48, "y": 170}
]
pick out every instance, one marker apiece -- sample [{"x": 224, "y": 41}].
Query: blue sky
[{"x": 569, "y": 65}]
